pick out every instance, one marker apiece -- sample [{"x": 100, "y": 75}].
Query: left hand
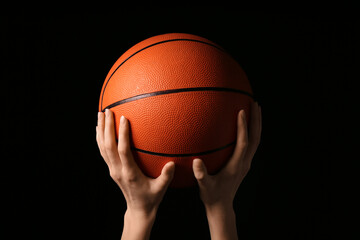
[
  {"x": 220, "y": 189},
  {"x": 143, "y": 194}
]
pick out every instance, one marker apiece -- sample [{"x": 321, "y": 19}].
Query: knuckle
[
  {"x": 99, "y": 143},
  {"x": 245, "y": 141},
  {"x": 131, "y": 177},
  {"x": 123, "y": 150},
  {"x": 103, "y": 155},
  {"x": 101, "y": 147},
  {"x": 108, "y": 146},
  {"x": 115, "y": 175},
  {"x": 243, "y": 145}
]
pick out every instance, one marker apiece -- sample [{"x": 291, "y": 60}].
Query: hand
[
  {"x": 142, "y": 194},
  {"x": 218, "y": 191}
]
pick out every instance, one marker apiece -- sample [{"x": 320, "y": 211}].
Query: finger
[
  {"x": 97, "y": 138},
  {"x": 167, "y": 174},
  {"x": 200, "y": 172},
  {"x": 123, "y": 147},
  {"x": 109, "y": 139},
  {"x": 100, "y": 128},
  {"x": 241, "y": 143},
  {"x": 254, "y": 131},
  {"x": 260, "y": 112}
]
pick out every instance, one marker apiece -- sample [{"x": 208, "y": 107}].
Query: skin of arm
[
  {"x": 218, "y": 191},
  {"x": 142, "y": 194}
]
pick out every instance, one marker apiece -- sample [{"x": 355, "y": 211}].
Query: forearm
[
  {"x": 222, "y": 222},
  {"x": 137, "y": 226}
]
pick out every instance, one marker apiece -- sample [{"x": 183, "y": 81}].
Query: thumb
[
  {"x": 200, "y": 171},
  {"x": 167, "y": 174}
]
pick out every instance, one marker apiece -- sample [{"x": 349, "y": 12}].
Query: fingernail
[
  {"x": 197, "y": 160},
  {"x": 171, "y": 163},
  {"x": 122, "y": 120},
  {"x": 243, "y": 114}
]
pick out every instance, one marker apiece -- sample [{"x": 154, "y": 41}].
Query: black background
[{"x": 301, "y": 68}]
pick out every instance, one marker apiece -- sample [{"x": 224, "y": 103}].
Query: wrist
[
  {"x": 223, "y": 208},
  {"x": 222, "y": 221},
  {"x": 146, "y": 216},
  {"x": 138, "y": 224}
]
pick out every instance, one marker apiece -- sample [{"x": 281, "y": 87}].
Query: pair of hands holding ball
[{"x": 143, "y": 194}]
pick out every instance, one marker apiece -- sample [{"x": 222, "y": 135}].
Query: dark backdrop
[{"x": 56, "y": 184}]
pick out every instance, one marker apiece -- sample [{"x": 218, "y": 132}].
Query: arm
[
  {"x": 137, "y": 225},
  {"x": 142, "y": 194},
  {"x": 222, "y": 222},
  {"x": 218, "y": 191}
]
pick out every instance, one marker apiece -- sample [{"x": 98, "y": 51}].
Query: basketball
[{"x": 181, "y": 94}]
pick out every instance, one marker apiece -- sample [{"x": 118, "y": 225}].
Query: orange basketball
[{"x": 181, "y": 94}]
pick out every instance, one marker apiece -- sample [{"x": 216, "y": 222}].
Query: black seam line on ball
[
  {"x": 183, "y": 154},
  {"x": 151, "y": 45},
  {"x": 180, "y": 90}
]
